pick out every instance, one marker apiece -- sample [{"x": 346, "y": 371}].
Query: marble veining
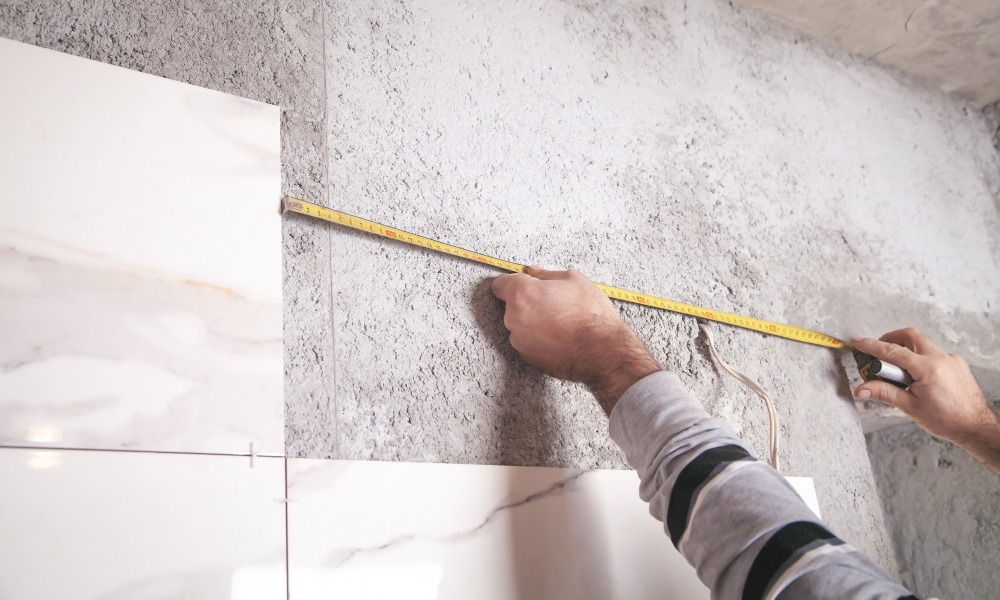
[
  {"x": 140, "y": 261},
  {"x": 363, "y": 529},
  {"x": 338, "y": 557}
]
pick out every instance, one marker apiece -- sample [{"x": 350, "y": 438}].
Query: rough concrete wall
[
  {"x": 693, "y": 151},
  {"x": 992, "y": 114},
  {"x": 262, "y": 49},
  {"x": 942, "y": 510},
  {"x": 954, "y": 45}
]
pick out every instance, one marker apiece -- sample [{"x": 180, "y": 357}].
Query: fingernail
[
  {"x": 858, "y": 339},
  {"x": 863, "y": 394},
  {"x": 536, "y": 268}
]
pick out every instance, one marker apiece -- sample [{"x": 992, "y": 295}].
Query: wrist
[
  {"x": 983, "y": 440},
  {"x": 984, "y": 428},
  {"x": 623, "y": 361}
]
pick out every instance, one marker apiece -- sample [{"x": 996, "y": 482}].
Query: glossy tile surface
[
  {"x": 115, "y": 525},
  {"x": 806, "y": 489},
  {"x": 140, "y": 261},
  {"x": 392, "y": 530}
]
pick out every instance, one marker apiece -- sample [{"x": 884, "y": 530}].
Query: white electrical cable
[{"x": 772, "y": 414}]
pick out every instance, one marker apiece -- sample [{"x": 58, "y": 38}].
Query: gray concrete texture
[
  {"x": 942, "y": 510},
  {"x": 940, "y": 504},
  {"x": 954, "y": 45},
  {"x": 700, "y": 153},
  {"x": 694, "y": 151}
]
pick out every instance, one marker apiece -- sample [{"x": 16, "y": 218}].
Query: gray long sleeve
[{"x": 740, "y": 524}]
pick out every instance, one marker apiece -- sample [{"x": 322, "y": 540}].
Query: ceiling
[{"x": 952, "y": 45}]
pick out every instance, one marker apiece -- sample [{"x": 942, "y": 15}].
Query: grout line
[
  {"x": 137, "y": 451},
  {"x": 288, "y": 572},
  {"x": 332, "y": 379}
]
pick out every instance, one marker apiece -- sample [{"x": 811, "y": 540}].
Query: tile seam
[
  {"x": 332, "y": 379},
  {"x": 288, "y": 572},
  {"x": 135, "y": 451}
]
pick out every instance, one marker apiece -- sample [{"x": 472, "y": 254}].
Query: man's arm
[
  {"x": 744, "y": 529},
  {"x": 944, "y": 399},
  {"x": 565, "y": 325}
]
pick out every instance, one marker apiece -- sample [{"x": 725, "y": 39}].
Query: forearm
[
  {"x": 983, "y": 441},
  {"x": 735, "y": 519},
  {"x": 620, "y": 361}
]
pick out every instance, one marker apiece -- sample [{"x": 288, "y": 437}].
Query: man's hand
[
  {"x": 944, "y": 399},
  {"x": 562, "y": 323}
]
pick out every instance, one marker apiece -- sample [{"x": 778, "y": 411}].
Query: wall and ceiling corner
[{"x": 954, "y": 46}]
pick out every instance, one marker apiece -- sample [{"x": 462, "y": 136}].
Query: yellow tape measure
[{"x": 779, "y": 329}]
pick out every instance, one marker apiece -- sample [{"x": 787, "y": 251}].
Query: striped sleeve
[{"x": 734, "y": 518}]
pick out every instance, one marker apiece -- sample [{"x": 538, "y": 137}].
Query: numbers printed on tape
[{"x": 778, "y": 329}]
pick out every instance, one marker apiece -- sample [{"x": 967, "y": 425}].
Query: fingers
[
  {"x": 894, "y": 353},
  {"x": 544, "y": 274},
  {"x": 912, "y": 338},
  {"x": 887, "y": 394},
  {"x": 504, "y": 286}
]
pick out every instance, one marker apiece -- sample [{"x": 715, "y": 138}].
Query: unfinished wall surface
[
  {"x": 954, "y": 45},
  {"x": 992, "y": 114},
  {"x": 942, "y": 510},
  {"x": 694, "y": 151}
]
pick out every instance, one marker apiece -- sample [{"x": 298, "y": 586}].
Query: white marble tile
[
  {"x": 393, "y": 530},
  {"x": 140, "y": 261},
  {"x": 806, "y": 490},
  {"x": 116, "y": 525}
]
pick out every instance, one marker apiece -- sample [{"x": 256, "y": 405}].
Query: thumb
[
  {"x": 541, "y": 273},
  {"x": 504, "y": 285},
  {"x": 885, "y": 393}
]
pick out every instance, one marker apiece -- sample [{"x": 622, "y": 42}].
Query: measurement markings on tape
[{"x": 769, "y": 327}]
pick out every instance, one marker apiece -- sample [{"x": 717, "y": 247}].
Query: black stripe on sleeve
[
  {"x": 696, "y": 474},
  {"x": 785, "y": 543},
  {"x": 910, "y": 597}
]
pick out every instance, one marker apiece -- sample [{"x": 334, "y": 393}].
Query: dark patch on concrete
[{"x": 941, "y": 509}]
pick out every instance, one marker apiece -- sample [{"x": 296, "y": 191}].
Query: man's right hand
[
  {"x": 944, "y": 398},
  {"x": 562, "y": 323}
]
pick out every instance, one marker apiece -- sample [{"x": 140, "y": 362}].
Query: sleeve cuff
[{"x": 651, "y": 413}]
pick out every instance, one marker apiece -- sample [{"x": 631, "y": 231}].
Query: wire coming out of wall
[{"x": 772, "y": 414}]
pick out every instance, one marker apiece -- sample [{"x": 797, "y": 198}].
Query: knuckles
[
  {"x": 935, "y": 368},
  {"x": 516, "y": 342},
  {"x": 521, "y": 297},
  {"x": 892, "y": 350},
  {"x": 960, "y": 363}
]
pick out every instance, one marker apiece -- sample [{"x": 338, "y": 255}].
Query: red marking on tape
[{"x": 391, "y": 234}]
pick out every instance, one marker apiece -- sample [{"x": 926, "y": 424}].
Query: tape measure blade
[{"x": 767, "y": 327}]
